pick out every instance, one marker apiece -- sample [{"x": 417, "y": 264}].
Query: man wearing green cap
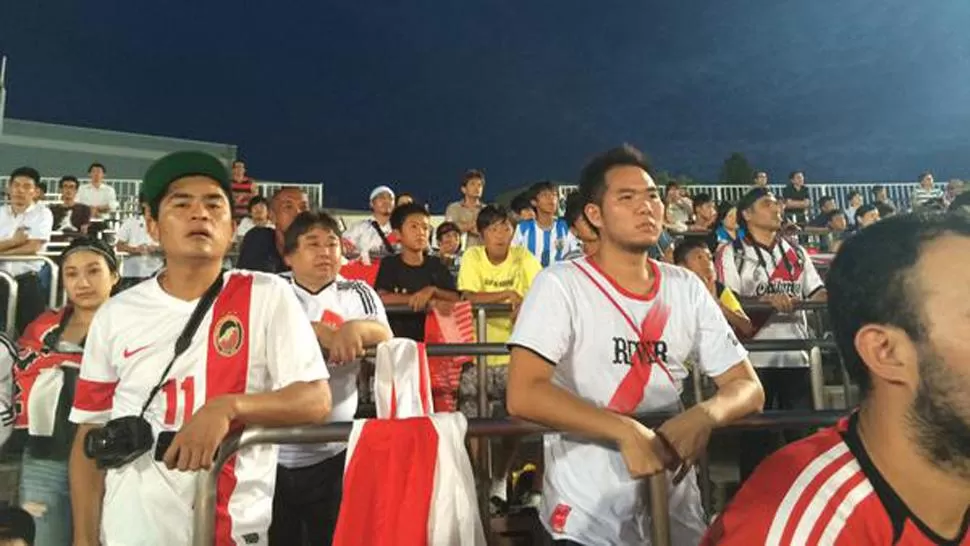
[{"x": 253, "y": 359}]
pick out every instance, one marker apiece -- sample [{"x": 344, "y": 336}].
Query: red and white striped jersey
[
  {"x": 823, "y": 490},
  {"x": 255, "y": 338}
]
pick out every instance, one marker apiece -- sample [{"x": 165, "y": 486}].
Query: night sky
[{"x": 412, "y": 93}]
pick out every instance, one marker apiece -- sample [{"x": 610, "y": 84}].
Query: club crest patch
[{"x": 229, "y": 336}]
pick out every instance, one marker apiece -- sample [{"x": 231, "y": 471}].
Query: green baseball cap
[{"x": 177, "y": 165}]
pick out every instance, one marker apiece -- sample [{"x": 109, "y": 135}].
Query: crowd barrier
[
  {"x": 205, "y": 494},
  {"x": 13, "y": 297},
  {"x": 53, "y": 298}
]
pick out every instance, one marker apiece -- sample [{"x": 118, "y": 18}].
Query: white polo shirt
[
  {"x": 102, "y": 196},
  {"x": 37, "y": 221},
  {"x": 367, "y": 240},
  {"x": 133, "y": 233}
]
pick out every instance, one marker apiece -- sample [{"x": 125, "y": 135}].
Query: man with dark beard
[{"x": 897, "y": 471}]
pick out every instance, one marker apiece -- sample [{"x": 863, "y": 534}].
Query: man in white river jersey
[
  {"x": 252, "y": 360},
  {"x": 602, "y": 338}
]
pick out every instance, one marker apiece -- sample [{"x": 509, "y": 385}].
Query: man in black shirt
[
  {"x": 261, "y": 247},
  {"x": 797, "y": 200},
  {"x": 412, "y": 277}
]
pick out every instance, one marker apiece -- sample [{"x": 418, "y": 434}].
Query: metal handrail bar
[
  {"x": 498, "y": 349},
  {"x": 203, "y": 525},
  {"x": 810, "y": 305},
  {"x": 13, "y": 295},
  {"x": 55, "y": 273},
  {"x": 401, "y": 309}
]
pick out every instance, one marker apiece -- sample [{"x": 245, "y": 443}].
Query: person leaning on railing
[
  {"x": 603, "y": 338},
  {"x": 897, "y": 470},
  {"x": 44, "y": 379}
]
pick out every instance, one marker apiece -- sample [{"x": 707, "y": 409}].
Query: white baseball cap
[{"x": 381, "y": 189}]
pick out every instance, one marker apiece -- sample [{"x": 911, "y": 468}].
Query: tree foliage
[{"x": 737, "y": 171}]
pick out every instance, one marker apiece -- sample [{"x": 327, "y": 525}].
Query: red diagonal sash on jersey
[
  {"x": 629, "y": 393},
  {"x": 782, "y": 272}
]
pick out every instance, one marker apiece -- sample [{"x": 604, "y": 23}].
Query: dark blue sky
[{"x": 413, "y": 92}]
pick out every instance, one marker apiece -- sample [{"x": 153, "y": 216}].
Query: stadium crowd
[{"x": 112, "y": 403}]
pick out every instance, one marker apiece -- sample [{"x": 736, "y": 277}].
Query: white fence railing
[
  {"x": 127, "y": 191},
  {"x": 898, "y": 192}
]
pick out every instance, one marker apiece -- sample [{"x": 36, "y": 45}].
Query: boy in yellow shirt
[{"x": 694, "y": 254}]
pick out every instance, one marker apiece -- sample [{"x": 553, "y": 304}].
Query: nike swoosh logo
[{"x": 129, "y": 354}]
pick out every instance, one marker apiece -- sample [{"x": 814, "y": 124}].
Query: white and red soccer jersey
[
  {"x": 823, "y": 490},
  {"x": 339, "y": 302},
  {"x": 255, "y": 338},
  {"x": 760, "y": 270},
  {"x": 623, "y": 352}
]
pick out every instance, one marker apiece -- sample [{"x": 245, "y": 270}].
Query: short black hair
[
  {"x": 853, "y": 193},
  {"x": 492, "y": 214},
  {"x": 923, "y": 175},
  {"x": 885, "y": 209},
  {"x": 791, "y": 175},
  {"x": 541, "y": 186},
  {"x": 701, "y": 199},
  {"x": 68, "y": 178},
  {"x": 42, "y": 186},
  {"x": 832, "y": 214},
  {"x": 99, "y": 165},
  {"x": 686, "y": 245},
  {"x": 399, "y": 196},
  {"x": 256, "y": 200},
  {"x": 521, "y": 201},
  {"x": 303, "y": 223},
  {"x": 445, "y": 228},
  {"x": 863, "y": 210},
  {"x": 574, "y": 208},
  {"x": 870, "y": 280},
  {"x": 28, "y": 172},
  {"x": 401, "y": 212},
  {"x": 592, "y": 179},
  {"x": 759, "y": 173},
  {"x": 237, "y": 161},
  {"x": 472, "y": 174},
  {"x": 826, "y": 199}
]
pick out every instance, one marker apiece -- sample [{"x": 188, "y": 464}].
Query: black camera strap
[{"x": 185, "y": 338}]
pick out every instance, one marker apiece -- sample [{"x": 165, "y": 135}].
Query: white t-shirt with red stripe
[
  {"x": 255, "y": 338},
  {"x": 582, "y": 322},
  {"x": 339, "y": 302},
  {"x": 781, "y": 268},
  {"x": 823, "y": 490}
]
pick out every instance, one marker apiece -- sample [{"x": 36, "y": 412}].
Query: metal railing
[
  {"x": 54, "y": 296},
  {"x": 13, "y": 297},
  {"x": 203, "y": 524}
]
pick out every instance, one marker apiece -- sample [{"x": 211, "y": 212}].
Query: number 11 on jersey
[{"x": 179, "y": 395}]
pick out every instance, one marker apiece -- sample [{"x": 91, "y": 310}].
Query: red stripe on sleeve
[{"x": 94, "y": 395}]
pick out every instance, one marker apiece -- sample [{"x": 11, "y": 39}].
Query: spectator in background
[
  {"x": 243, "y": 189},
  {"x": 144, "y": 255},
  {"x": 373, "y": 237},
  {"x": 855, "y": 201},
  {"x": 881, "y": 196},
  {"x": 885, "y": 210},
  {"x": 960, "y": 204},
  {"x": 760, "y": 179},
  {"x": 497, "y": 272},
  {"x": 953, "y": 188},
  {"x": 45, "y": 379},
  {"x": 40, "y": 195},
  {"x": 346, "y": 317},
  {"x": 412, "y": 277},
  {"x": 25, "y": 229},
  {"x": 61, "y": 212},
  {"x": 448, "y": 236},
  {"x": 837, "y": 226},
  {"x": 522, "y": 207},
  {"x": 262, "y": 247},
  {"x": 96, "y": 194},
  {"x": 926, "y": 194},
  {"x": 678, "y": 208},
  {"x": 866, "y": 215},
  {"x": 258, "y": 217},
  {"x": 796, "y": 198},
  {"x": 580, "y": 227},
  {"x": 825, "y": 205},
  {"x": 465, "y": 212},
  {"x": 705, "y": 213},
  {"x": 694, "y": 254},
  {"x": 403, "y": 199},
  {"x": 728, "y": 229},
  {"x": 546, "y": 236}
]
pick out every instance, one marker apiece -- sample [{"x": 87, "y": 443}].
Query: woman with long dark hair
[{"x": 45, "y": 373}]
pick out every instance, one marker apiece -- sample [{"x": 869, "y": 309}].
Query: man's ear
[
  {"x": 889, "y": 353},
  {"x": 151, "y": 226},
  {"x": 594, "y": 215}
]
